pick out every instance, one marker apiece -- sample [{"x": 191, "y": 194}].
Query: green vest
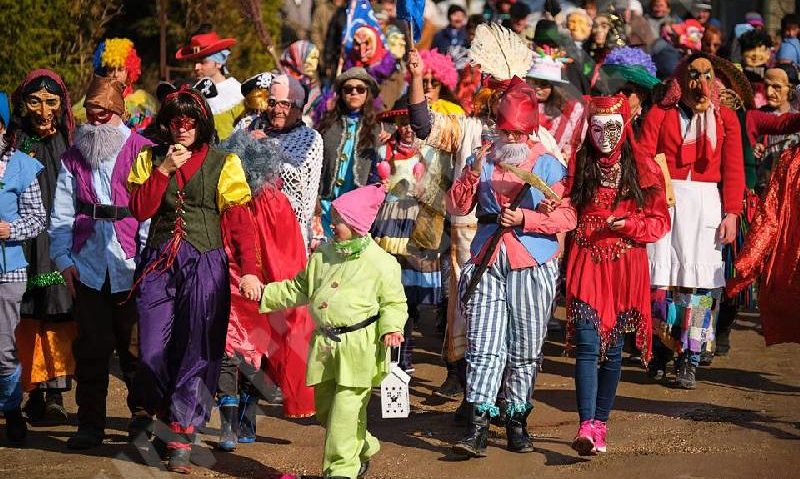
[{"x": 200, "y": 217}]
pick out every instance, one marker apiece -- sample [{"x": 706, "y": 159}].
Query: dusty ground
[{"x": 742, "y": 421}]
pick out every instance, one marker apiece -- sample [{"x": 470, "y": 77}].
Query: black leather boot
[
  {"x": 517, "y": 432},
  {"x": 474, "y": 443}
]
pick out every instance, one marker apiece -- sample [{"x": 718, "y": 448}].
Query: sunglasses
[
  {"x": 285, "y": 104},
  {"x": 182, "y": 123},
  {"x": 350, "y": 89},
  {"x": 431, "y": 83}
]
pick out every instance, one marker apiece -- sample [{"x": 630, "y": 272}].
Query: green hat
[{"x": 614, "y": 77}]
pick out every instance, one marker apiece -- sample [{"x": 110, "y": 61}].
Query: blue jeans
[{"x": 595, "y": 387}]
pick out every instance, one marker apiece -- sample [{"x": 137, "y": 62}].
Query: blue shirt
[
  {"x": 102, "y": 255},
  {"x": 789, "y": 50}
]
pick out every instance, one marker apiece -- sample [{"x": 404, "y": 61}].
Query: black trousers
[
  {"x": 238, "y": 376},
  {"x": 106, "y": 323}
]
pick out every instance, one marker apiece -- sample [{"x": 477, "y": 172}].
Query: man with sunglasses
[{"x": 94, "y": 240}]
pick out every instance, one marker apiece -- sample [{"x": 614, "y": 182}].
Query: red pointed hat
[
  {"x": 203, "y": 45},
  {"x": 518, "y": 109}
]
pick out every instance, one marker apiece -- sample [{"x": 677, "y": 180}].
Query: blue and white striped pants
[{"x": 506, "y": 319}]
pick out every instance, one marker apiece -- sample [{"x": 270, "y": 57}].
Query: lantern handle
[{"x": 391, "y": 354}]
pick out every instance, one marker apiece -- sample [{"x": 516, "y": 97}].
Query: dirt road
[{"x": 742, "y": 421}]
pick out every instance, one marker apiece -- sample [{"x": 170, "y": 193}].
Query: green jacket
[{"x": 342, "y": 293}]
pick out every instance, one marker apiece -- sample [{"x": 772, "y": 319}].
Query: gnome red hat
[
  {"x": 358, "y": 208},
  {"x": 518, "y": 109}
]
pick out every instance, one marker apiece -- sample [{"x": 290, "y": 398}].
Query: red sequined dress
[
  {"x": 608, "y": 277},
  {"x": 772, "y": 249}
]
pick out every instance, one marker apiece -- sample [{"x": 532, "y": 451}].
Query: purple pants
[{"x": 183, "y": 320}]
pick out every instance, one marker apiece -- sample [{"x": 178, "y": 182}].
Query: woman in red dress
[{"x": 621, "y": 206}]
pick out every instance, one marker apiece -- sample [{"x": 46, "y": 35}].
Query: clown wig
[
  {"x": 441, "y": 67},
  {"x": 116, "y": 53}
]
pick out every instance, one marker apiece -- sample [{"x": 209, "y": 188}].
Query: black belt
[
  {"x": 333, "y": 333},
  {"x": 487, "y": 219},
  {"x": 103, "y": 212}
]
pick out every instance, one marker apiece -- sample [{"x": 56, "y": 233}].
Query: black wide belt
[
  {"x": 333, "y": 333},
  {"x": 487, "y": 219},
  {"x": 99, "y": 211}
]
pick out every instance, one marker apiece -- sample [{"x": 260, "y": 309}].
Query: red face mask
[
  {"x": 182, "y": 123},
  {"x": 98, "y": 117}
]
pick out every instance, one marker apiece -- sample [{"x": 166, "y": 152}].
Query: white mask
[{"x": 606, "y": 131}]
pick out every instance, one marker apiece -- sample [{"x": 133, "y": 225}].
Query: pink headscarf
[{"x": 358, "y": 208}]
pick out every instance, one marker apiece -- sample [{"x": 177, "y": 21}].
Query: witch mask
[
  {"x": 43, "y": 108},
  {"x": 697, "y": 84}
]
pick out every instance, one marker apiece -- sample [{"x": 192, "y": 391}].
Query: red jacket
[{"x": 661, "y": 133}]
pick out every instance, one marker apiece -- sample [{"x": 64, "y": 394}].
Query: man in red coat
[{"x": 702, "y": 142}]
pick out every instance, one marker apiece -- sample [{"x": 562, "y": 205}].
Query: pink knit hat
[{"x": 358, "y": 208}]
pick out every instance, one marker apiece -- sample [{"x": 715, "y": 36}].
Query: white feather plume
[{"x": 500, "y": 52}]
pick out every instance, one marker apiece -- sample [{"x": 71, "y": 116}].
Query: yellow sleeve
[
  {"x": 446, "y": 108},
  {"x": 224, "y": 121},
  {"x": 141, "y": 169},
  {"x": 232, "y": 189}
]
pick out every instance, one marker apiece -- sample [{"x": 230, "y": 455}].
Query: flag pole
[
  {"x": 409, "y": 36},
  {"x": 346, "y": 29}
]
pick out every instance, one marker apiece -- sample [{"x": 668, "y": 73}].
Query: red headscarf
[
  {"x": 648, "y": 170},
  {"x": 518, "y": 109},
  {"x": 380, "y": 50},
  {"x": 66, "y": 105}
]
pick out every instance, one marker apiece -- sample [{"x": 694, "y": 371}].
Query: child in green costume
[{"x": 356, "y": 298}]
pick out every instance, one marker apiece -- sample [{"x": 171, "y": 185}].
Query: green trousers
[{"x": 342, "y": 411}]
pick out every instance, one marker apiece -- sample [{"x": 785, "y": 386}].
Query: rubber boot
[
  {"x": 462, "y": 414},
  {"x": 474, "y": 443},
  {"x": 248, "y": 407},
  {"x": 229, "y": 422},
  {"x": 517, "y": 432}
]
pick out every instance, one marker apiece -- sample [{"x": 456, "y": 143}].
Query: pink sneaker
[
  {"x": 599, "y": 436},
  {"x": 584, "y": 440}
]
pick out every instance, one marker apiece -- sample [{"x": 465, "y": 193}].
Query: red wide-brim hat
[{"x": 203, "y": 45}]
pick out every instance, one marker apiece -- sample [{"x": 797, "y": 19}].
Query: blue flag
[
  {"x": 412, "y": 12},
  {"x": 359, "y": 14}
]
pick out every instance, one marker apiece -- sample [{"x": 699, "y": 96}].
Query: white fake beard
[
  {"x": 511, "y": 153},
  {"x": 99, "y": 143}
]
